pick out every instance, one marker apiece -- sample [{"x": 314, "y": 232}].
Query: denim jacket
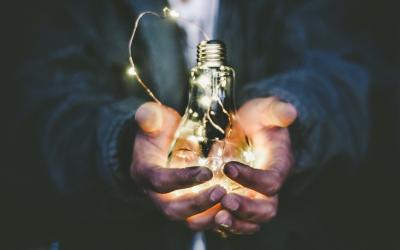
[{"x": 81, "y": 102}]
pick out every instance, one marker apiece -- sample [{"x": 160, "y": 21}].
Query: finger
[
  {"x": 158, "y": 124},
  {"x": 179, "y": 208},
  {"x": 204, "y": 220},
  {"x": 149, "y": 117},
  {"x": 154, "y": 118},
  {"x": 261, "y": 209},
  {"x": 267, "y": 182},
  {"x": 278, "y": 113},
  {"x": 234, "y": 225},
  {"x": 259, "y": 113},
  {"x": 165, "y": 180}
]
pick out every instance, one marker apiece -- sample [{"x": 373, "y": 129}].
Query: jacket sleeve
[
  {"x": 326, "y": 85},
  {"x": 75, "y": 106}
]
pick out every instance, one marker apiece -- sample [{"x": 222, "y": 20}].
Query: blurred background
[{"x": 367, "y": 216}]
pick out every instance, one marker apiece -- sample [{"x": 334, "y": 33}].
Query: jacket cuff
[{"x": 116, "y": 136}]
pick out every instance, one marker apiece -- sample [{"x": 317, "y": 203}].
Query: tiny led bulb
[
  {"x": 205, "y": 101},
  {"x": 204, "y": 81},
  {"x": 202, "y": 161},
  {"x": 192, "y": 138},
  {"x": 170, "y": 13},
  {"x": 131, "y": 71},
  {"x": 174, "y": 14},
  {"x": 249, "y": 156}
]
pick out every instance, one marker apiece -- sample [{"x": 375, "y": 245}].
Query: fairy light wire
[
  {"x": 136, "y": 74},
  {"x": 167, "y": 13},
  {"x": 174, "y": 15}
]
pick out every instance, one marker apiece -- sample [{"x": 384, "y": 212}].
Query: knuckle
[
  {"x": 273, "y": 213},
  {"x": 156, "y": 185},
  {"x": 183, "y": 176},
  {"x": 244, "y": 209},
  {"x": 273, "y": 182},
  {"x": 170, "y": 212},
  {"x": 270, "y": 212},
  {"x": 248, "y": 175},
  {"x": 273, "y": 187},
  {"x": 159, "y": 182},
  {"x": 195, "y": 206}
]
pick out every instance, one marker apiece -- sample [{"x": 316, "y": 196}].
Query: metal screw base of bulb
[{"x": 211, "y": 53}]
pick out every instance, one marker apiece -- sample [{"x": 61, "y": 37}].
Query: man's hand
[
  {"x": 265, "y": 121},
  {"x": 158, "y": 125}
]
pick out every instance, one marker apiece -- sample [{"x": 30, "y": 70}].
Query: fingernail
[
  {"x": 149, "y": 117},
  {"x": 203, "y": 175},
  {"x": 285, "y": 112},
  {"x": 223, "y": 219},
  {"x": 217, "y": 194},
  {"x": 231, "y": 171},
  {"x": 231, "y": 204}
]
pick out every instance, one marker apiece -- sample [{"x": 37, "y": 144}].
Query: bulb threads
[{"x": 211, "y": 53}]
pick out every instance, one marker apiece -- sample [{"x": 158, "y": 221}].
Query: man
[{"x": 293, "y": 64}]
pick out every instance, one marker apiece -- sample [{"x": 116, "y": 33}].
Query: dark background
[{"x": 368, "y": 216}]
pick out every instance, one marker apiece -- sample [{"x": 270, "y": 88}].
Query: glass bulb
[{"x": 209, "y": 134}]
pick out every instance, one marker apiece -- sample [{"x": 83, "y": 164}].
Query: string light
[
  {"x": 202, "y": 161},
  {"x": 131, "y": 71},
  {"x": 195, "y": 127},
  {"x": 248, "y": 156},
  {"x": 167, "y": 13},
  {"x": 204, "y": 81},
  {"x": 205, "y": 101},
  {"x": 173, "y": 14}
]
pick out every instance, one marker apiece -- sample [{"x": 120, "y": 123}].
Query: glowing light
[
  {"x": 171, "y": 13},
  {"x": 195, "y": 114},
  {"x": 195, "y": 189},
  {"x": 174, "y": 14},
  {"x": 195, "y": 139},
  {"x": 223, "y": 82},
  {"x": 249, "y": 156},
  {"x": 192, "y": 138},
  {"x": 202, "y": 161},
  {"x": 131, "y": 71},
  {"x": 204, "y": 81},
  {"x": 205, "y": 101}
]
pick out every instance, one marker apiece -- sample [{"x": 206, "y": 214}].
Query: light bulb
[
  {"x": 131, "y": 71},
  {"x": 209, "y": 133}
]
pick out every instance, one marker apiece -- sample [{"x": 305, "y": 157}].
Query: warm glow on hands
[
  {"x": 157, "y": 128},
  {"x": 265, "y": 121}
]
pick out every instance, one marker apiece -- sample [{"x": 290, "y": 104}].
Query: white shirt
[
  {"x": 204, "y": 14},
  {"x": 201, "y": 12}
]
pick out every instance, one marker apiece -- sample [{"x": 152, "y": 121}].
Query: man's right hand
[{"x": 158, "y": 124}]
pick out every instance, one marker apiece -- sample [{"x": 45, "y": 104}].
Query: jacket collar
[{"x": 166, "y": 51}]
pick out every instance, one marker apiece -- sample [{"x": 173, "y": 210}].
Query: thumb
[
  {"x": 158, "y": 124},
  {"x": 149, "y": 117},
  {"x": 279, "y": 114},
  {"x": 155, "y": 119}
]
